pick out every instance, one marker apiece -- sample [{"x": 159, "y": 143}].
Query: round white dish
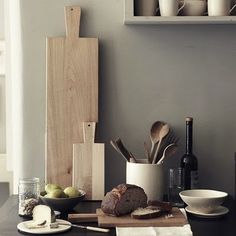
[
  {"x": 62, "y": 228},
  {"x": 203, "y": 200},
  {"x": 219, "y": 211}
]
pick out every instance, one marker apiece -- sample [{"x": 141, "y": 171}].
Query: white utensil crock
[{"x": 148, "y": 176}]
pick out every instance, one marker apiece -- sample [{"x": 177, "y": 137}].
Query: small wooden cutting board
[
  {"x": 88, "y": 164},
  {"x": 178, "y": 219}
]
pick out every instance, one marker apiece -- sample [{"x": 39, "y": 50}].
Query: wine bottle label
[{"x": 194, "y": 179}]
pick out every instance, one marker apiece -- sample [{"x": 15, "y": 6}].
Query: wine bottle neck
[{"x": 189, "y": 137}]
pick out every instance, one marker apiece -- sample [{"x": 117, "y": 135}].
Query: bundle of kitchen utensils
[{"x": 163, "y": 144}]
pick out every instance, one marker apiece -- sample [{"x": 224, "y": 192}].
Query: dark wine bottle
[{"x": 189, "y": 162}]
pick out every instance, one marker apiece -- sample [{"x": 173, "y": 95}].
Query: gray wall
[{"x": 147, "y": 73}]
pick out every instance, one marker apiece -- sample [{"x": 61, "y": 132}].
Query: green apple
[
  {"x": 51, "y": 187},
  {"x": 71, "y": 192},
  {"x": 56, "y": 193}
]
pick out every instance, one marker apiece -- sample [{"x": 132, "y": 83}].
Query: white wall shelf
[{"x": 130, "y": 19}]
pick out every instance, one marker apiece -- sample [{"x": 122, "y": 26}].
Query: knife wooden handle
[{"x": 85, "y": 217}]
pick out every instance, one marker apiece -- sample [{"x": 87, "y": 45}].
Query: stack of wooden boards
[{"x": 72, "y": 110}]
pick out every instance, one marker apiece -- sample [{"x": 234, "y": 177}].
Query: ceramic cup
[
  {"x": 145, "y": 7},
  {"x": 148, "y": 176},
  {"x": 219, "y": 7},
  {"x": 170, "y": 7},
  {"x": 194, "y": 7}
]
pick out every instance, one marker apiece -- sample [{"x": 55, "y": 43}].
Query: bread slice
[
  {"x": 146, "y": 213},
  {"x": 164, "y": 206}
]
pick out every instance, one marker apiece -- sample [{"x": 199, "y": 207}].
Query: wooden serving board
[
  {"x": 88, "y": 164},
  {"x": 72, "y": 95},
  {"x": 104, "y": 220}
]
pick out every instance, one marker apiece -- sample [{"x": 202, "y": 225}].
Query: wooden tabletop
[{"x": 225, "y": 226}]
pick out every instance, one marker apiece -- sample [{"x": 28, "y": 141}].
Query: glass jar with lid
[{"x": 28, "y": 190}]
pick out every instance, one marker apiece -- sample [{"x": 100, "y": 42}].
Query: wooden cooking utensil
[
  {"x": 168, "y": 151},
  {"x": 155, "y": 136},
  {"x": 163, "y": 132},
  {"x": 72, "y": 95},
  {"x": 147, "y": 154},
  {"x": 114, "y": 145},
  {"x": 169, "y": 139},
  {"x": 125, "y": 151},
  {"x": 88, "y": 164}
]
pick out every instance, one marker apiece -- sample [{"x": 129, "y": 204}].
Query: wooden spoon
[
  {"x": 155, "y": 136},
  {"x": 147, "y": 154},
  {"x": 168, "y": 151},
  {"x": 163, "y": 132}
]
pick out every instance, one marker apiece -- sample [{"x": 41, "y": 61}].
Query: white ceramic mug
[
  {"x": 219, "y": 7},
  {"x": 148, "y": 176},
  {"x": 170, "y": 7},
  {"x": 145, "y": 7}
]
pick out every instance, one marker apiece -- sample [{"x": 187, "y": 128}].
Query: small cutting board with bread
[{"x": 176, "y": 219}]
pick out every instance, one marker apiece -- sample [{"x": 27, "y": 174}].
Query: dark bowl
[{"x": 63, "y": 204}]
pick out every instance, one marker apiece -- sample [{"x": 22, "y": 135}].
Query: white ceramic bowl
[{"x": 203, "y": 200}]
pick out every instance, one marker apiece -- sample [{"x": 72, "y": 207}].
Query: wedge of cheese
[{"x": 42, "y": 213}]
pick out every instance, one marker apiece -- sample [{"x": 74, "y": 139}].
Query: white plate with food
[
  {"x": 26, "y": 227},
  {"x": 219, "y": 211}
]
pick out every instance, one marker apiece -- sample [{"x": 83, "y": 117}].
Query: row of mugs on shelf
[{"x": 187, "y": 7}]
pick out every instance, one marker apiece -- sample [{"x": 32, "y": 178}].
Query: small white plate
[
  {"x": 47, "y": 230},
  {"x": 219, "y": 211}
]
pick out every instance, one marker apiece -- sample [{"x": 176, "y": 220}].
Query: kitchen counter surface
[{"x": 201, "y": 227}]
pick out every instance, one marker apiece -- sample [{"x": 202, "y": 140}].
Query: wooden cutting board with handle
[
  {"x": 177, "y": 219},
  {"x": 88, "y": 164},
  {"x": 72, "y": 95}
]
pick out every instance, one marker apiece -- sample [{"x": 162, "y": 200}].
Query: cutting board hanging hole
[{"x": 89, "y": 131}]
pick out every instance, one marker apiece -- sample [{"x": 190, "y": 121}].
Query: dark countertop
[{"x": 225, "y": 226}]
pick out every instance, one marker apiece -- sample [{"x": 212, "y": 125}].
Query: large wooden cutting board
[
  {"x": 88, "y": 164},
  {"x": 104, "y": 220},
  {"x": 72, "y": 95}
]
